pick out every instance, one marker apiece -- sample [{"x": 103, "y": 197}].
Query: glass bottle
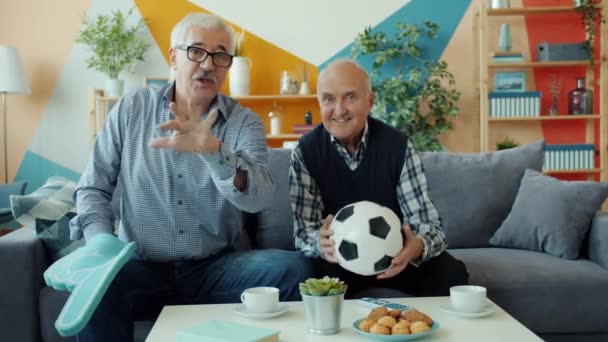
[
  {"x": 308, "y": 118},
  {"x": 580, "y": 100}
]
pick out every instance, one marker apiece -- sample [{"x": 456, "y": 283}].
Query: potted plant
[
  {"x": 507, "y": 143},
  {"x": 323, "y": 299},
  {"x": 590, "y": 15},
  {"x": 238, "y": 75},
  {"x": 419, "y": 100},
  {"x": 115, "y": 47}
]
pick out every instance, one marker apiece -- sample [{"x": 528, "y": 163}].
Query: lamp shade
[{"x": 12, "y": 77}]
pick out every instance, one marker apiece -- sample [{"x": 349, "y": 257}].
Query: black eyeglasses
[{"x": 199, "y": 55}]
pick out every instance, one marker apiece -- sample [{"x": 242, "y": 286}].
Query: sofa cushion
[
  {"x": 550, "y": 215},
  {"x": 274, "y": 226},
  {"x": 474, "y": 192},
  {"x": 49, "y": 209},
  {"x": 545, "y": 293}
]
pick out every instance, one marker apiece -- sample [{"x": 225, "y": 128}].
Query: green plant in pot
[
  {"x": 590, "y": 14},
  {"x": 115, "y": 47},
  {"x": 323, "y": 299},
  {"x": 506, "y": 144},
  {"x": 415, "y": 95}
]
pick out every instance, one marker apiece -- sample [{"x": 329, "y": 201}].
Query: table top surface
[{"x": 498, "y": 326}]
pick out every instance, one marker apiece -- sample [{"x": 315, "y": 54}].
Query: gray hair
[
  {"x": 352, "y": 62},
  {"x": 204, "y": 20}
]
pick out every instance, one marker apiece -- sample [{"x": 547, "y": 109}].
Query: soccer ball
[{"x": 367, "y": 237}]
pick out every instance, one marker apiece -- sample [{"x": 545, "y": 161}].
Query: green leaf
[
  {"x": 114, "y": 47},
  {"x": 419, "y": 97}
]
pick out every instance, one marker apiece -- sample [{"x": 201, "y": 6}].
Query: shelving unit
[
  {"x": 291, "y": 106},
  {"x": 484, "y": 67},
  {"x": 292, "y": 109},
  {"x": 99, "y": 108}
]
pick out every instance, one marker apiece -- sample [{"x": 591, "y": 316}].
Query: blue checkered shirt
[
  {"x": 413, "y": 196},
  {"x": 176, "y": 206}
]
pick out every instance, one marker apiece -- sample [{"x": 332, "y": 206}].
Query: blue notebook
[{"x": 224, "y": 331}]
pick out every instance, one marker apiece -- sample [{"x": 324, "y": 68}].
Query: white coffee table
[{"x": 499, "y": 326}]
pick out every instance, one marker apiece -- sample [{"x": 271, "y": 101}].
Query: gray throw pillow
[
  {"x": 550, "y": 215},
  {"x": 473, "y": 193}
]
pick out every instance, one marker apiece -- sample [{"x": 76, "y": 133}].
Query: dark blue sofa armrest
[
  {"x": 23, "y": 259},
  {"x": 598, "y": 239}
]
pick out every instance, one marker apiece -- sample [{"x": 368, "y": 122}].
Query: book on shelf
[
  {"x": 522, "y": 104},
  {"x": 569, "y": 157},
  {"x": 302, "y": 129},
  {"x": 506, "y": 56},
  {"x": 224, "y": 331}
]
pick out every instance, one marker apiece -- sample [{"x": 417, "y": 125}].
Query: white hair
[
  {"x": 352, "y": 62},
  {"x": 203, "y": 20}
]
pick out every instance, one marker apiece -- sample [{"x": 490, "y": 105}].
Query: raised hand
[
  {"x": 326, "y": 243},
  {"x": 190, "y": 133},
  {"x": 412, "y": 250}
]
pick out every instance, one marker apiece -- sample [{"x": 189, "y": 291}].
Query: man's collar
[
  {"x": 219, "y": 103},
  {"x": 363, "y": 139}
]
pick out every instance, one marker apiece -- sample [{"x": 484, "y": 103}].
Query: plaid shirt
[
  {"x": 412, "y": 193},
  {"x": 176, "y": 206}
]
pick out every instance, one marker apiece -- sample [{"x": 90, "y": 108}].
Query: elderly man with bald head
[{"x": 352, "y": 157}]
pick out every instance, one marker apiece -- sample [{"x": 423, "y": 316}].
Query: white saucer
[
  {"x": 281, "y": 309},
  {"x": 488, "y": 309}
]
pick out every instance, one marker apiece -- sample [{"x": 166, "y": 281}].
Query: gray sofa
[{"x": 561, "y": 300}]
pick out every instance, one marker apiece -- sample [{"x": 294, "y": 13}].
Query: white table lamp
[{"x": 12, "y": 81}]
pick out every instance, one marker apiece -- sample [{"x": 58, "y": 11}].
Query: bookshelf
[
  {"x": 484, "y": 66},
  {"x": 292, "y": 108}
]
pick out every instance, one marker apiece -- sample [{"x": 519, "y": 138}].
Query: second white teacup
[
  {"x": 260, "y": 299},
  {"x": 468, "y": 298}
]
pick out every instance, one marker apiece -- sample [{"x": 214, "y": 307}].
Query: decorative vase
[
  {"x": 499, "y": 4},
  {"x": 289, "y": 83},
  {"x": 238, "y": 76},
  {"x": 580, "y": 100},
  {"x": 275, "y": 123},
  {"x": 114, "y": 88},
  {"x": 323, "y": 313},
  {"x": 304, "y": 88},
  {"x": 504, "y": 41}
]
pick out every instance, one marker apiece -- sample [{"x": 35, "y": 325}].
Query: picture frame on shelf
[
  {"x": 510, "y": 81},
  {"x": 155, "y": 82}
]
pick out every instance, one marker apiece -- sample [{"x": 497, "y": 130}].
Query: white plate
[
  {"x": 281, "y": 309},
  {"x": 450, "y": 309}
]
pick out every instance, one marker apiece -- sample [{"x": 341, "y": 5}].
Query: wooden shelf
[
  {"x": 256, "y": 98},
  {"x": 540, "y": 64},
  {"x": 505, "y": 12},
  {"x": 560, "y": 117},
  {"x": 586, "y": 171},
  {"x": 107, "y": 98},
  {"x": 283, "y": 136},
  {"x": 483, "y": 68}
]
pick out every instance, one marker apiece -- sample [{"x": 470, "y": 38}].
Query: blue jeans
[{"x": 141, "y": 289}]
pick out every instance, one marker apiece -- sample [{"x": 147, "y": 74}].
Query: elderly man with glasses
[{"x": 191, "y": 162}]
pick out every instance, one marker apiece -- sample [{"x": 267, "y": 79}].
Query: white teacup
[
  {"x": 468, "y": 298},
  {"x": 260, "y": 299}
]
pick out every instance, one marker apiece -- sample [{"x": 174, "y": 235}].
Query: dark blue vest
[{"x": 375, "y": 179}]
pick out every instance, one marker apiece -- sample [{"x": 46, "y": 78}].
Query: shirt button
[
  {"x": 180, "y": 176},
  {"x": 181, "y": 232},
  {"x": 179, "y": 202},
  {"x": 221, "y": 162}
]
